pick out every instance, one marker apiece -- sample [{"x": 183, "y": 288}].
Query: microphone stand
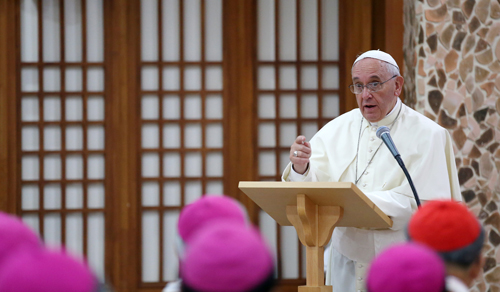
[{"x": 408, "y": 177}]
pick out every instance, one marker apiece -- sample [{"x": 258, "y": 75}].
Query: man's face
[{"x": 375, "y": 106}]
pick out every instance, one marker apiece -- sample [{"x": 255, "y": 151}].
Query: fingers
[{"x": 300, "y": 152}]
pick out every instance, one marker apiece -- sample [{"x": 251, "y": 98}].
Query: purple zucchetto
[
  {"x": 227, "y": 257},
  {"x": 203, "y": 211},
  {"x": 407, "y": 267},
  {"x": 15, "y": 235},
  {"x": 46, "y": 271}
]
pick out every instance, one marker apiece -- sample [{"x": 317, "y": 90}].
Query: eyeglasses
[{"x": 372, "y": 86}]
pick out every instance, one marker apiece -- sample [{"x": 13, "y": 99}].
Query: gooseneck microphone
[{"x": 384, "y": 134}]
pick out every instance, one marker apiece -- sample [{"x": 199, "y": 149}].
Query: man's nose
[{"x": 366, "y": 93}]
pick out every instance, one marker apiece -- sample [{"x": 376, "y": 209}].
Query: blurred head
[
  {"x": 14, "y": 236},
  {"x": 449, "y": 228},
  {"x": 203, "y": 212},
  {"x": 407, "y": 267},
  {"x": 377, "y": 83},
  {"x": 46, "y": 271},
  {"x": 227, "y": 257}
]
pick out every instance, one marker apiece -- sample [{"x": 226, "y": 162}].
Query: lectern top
[{"x": 359, "y": 210}]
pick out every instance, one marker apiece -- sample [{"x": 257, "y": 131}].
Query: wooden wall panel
[
  {"x": 9, "y": 134},
  {"x": 121, "y": 144}
]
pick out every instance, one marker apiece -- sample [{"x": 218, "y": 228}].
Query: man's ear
[
  {"x": 476, "y": 267},
  {"x": 399, "y": 85}
]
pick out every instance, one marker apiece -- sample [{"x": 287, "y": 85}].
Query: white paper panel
[
  {"x": 29, "y": 31},
  {"x": 267, "y": 107},
  {"x": 284, "y": 158},
  {"x": 309, "y": 129},
  {"x": 95, "y": 195},
  {"x": 309, "y": 106},
  {"x": 330, "y": 77},
  {"x": 51, "y": 108},
  {"x": 95, "y": 243},
  {"x": 214, "y": 135},
  {"x": 149, "y": 107},
  {"x": 30, "y": 197},
  {"x": 309, "y": 77},
  {"x": 267, "y": 227},
  {"x": 193, "y": 192},
  {"x": 52, "y": 138},
  {"x": 52, "y": 196},
  {"x": 96, "y": 166},
  {"x": 287, "y": 31},
  {"x": 74, "y": 196},
  {"x": 150, "y": 194},
  {"x": 215, "y": 187},
  {"x": 172, "y": 193},
  {"x": 288, "y": 106},
  {"x": 74, "y": 79},
  {"x": 149, "y": 78},
  {"x": 309, "y": 30},
  {"x": 50, "y": 30},
  {"x": 51, "y": 79},
  {"x": 32, "y": 221},
  {"x": 192, "y": 30},
  {"x": 95, "y": 79},
  {"x": 74, "y": 233},
  {"x": 171, "y": 78},
  {"x": 95, "y": 138},
  {"x": 74, "y": 167},
  {"x": 170, "y": 260},
  {"x": 52, "y": 167},
  {"x": 30, "y": 167},
  {"x": 29, "y": 109},
  {"x": 150, "y": 247},
  {"x": 95, "y": 31},
  {"x": 172, "y": 165},
  {"x": 30, "y": 136},
  {"x": 192, "y": 78},
  {"x": 150, "y": 136},
  {"x": 265, "y": 30},
  {"x": 288, "y": 77},
  {"x": 213, "y": 30},
  {"x": 150, "y": 165},
  {"x": 267, "y": 134},
  {"x": 52, "y": 230},
  {"x": 74, "y": 108},
  {"x": 170, "y": 22},
  {"x": 289, "y": 253},
  {"x": 171, "y": 136},
  {"x": 288, "y": 133},
  {"x": 331, "y": 105},
  {"x": 192, "y": 136},
  {"x": 29, "y": 79},
  {"x": 213, "y": 78},
  {"x": 214, "y": 164},
  {"x": 192, "y": 107},
  {"x": 192, "y": 164},
  {"x": 266, "y": 77},
  {"x": 171, "y": 107},
  {"x": 95, "y": 108},
  {"x": 73, "y": 30},
  {"x": 149, "y": 30},
  {"x": 213, "y": 106},
  {"x": 330, "y": 29},
  {"x": 267, "y": 163},
  {"x": 74, "y": 138}
]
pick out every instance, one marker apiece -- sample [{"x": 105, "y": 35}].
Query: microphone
[{"x": 384, "y": 134}]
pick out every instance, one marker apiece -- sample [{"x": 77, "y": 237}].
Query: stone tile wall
[{"x": 452, "y": 53}]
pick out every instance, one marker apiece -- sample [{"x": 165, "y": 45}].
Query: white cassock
[{"x": 427, "y": 152}]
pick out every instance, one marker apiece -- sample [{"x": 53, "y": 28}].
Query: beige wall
[{"x": 452, "y": 53}]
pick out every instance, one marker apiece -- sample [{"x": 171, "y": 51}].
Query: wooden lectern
[{"x": 315, "y": 209}]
